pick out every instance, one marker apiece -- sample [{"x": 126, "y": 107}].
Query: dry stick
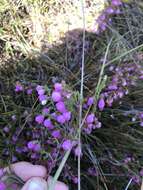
[
  {"x": 81, "y": 96},
  {"x": 129, "y": 184}
]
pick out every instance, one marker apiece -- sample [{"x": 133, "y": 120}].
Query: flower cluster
[
  {"x": 60, "y": 114},
  {"x": 105, "y": 18},
  {"x": 51, "y": 128},
  {"x": 41, "y": 94},
  {"x": 18, "y": 87},
  {"x": 91, "y": 123},
  {"x": 122, "y": 78}
]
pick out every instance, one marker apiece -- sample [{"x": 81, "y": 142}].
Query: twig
[
  {"x": 129, "y": 184},
  {"x": 81, "y": 96}
]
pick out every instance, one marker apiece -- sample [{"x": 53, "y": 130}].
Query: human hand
[{"x": 34, "y": 176}]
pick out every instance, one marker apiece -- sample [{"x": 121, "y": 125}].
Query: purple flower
[
  {"x": 85, "y": 106},
  {"x": 37, "y": 147},
  {"x": 56, "y": 96},
  {"x": 34, "y": 156},
  {"x": 127, "y": 160},
  {"x": 98, "y": 125},
  {"x": 39, "y": 119},
  {"x": 118, "y": 11},
  {"x": 116, "y": 2},
  {"x": 14, "y": 138},
  {"x": 102, "y": 17},
  {"x": 90, "y": 126},
  {"x": 111, "y": 68},
  {"x": 43, "y": 99},
  {"x": 141, "y": 115},
  {"x": 90, "y": 118},
  {"x": 45, "y": 111},
  {"x": 6, "y": 129},
  {"x": 31, "y": 145},
  {"x": 77, "y": 151},
  {"x": 90, "y": 101},
  {"x": 56, "y": 134},
  {"x": 110, "y": 10},
  {"x": 58, "y": 87},
  {"x": 75, "y": 180},
  {"x": 14, "y": 158},
  {"x": 54, "y": 115},
  {"x": 2, "y": 186},
  {"x": 41, "y": 92},
  {"x": 29, "y": 91},
  {"x": 120, "y": 94},
  {"x": 112, "y": 87},
  {"x": 48, "y": 124},
  {"x": 87, "y": 130},
  {"x": 61, "y": 107},
  {"x": 141, "y": 77},
  {"x": 18, "y": 87},
  {"x": 61, "y": 119},
  {"x": 25, "y": 149},
  {"x": 103, "y": 26},
  {"x": 67, "y": 145},
  {"x": 67, "y": 116},
  {"x": 101, "y": 104},
  {"x": 13, "y": 117},
  {"x": 39, "y": 87},
  {"x": 136, "y": 179}
]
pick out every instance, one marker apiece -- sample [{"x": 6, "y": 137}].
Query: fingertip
[
  {"x": 35, "y": 183},
  {"x": 59, "y": 185},
  {"x": 26, "y": 170}
]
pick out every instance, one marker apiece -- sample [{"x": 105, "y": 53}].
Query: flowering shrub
[
  {"x": 105, "y": 19},
  {"x": 51, "y": 124},
  {"x": 39, "y": 123}
]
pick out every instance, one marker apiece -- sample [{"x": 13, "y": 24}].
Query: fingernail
[{"x": 36, "y": 185}]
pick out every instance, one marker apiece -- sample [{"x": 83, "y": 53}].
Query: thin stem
[
  {"x": 59, "y": 170},
  {"x": 81, "y": 96},
  {"x": 129, "y": 184}
]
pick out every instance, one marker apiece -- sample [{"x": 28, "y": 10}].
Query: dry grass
[{"x": 27, "y": 25}]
